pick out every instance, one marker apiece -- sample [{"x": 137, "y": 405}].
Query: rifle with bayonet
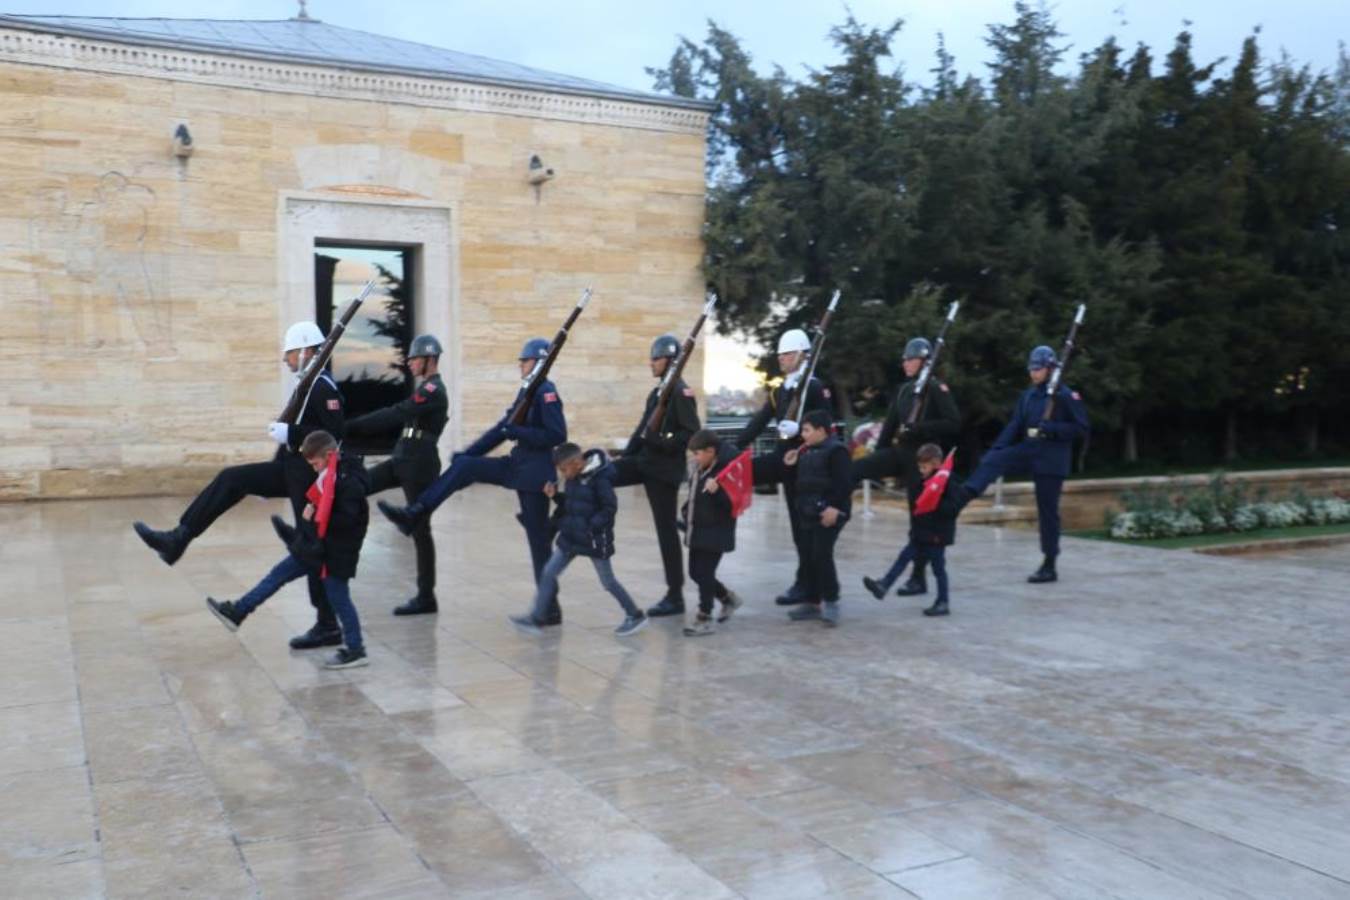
[
  {"x": 796, "y": 407},
  {"x": 674, "y": 370},
  {"x": 1052, "y": 387},
  {"x": 529, "y": 386},
  {"x": 926, "y": 373},
  {"x": 291, "y": 413}
]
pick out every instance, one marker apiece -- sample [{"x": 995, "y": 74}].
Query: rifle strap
[{"x": 304, "y": 406}]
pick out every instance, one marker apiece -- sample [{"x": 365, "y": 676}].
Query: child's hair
[
  {"x": 929, "y": 453},
  {"x": 565, "y": 451},
  {"x": 317, "y": 443},
  {"x": 704, "y": 439},
  {"x": 818, "y": 418}
]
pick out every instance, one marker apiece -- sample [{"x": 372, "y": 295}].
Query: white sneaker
[
  {"x": 730, "y": 605},
  {"x": 700, "y": 626}
]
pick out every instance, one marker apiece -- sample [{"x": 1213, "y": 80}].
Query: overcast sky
[{"x": 612, "y": 40}]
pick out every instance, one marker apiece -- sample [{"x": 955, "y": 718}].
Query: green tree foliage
[{"x": 1201, "y": 211}]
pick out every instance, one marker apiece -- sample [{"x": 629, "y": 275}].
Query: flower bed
[{"x": 1219, "y": 507}]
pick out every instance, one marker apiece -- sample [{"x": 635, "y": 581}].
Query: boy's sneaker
[
  {"x": 224, "y": 611},
  {"x": 702, "y": 625},
  {"x": 632, "y": 625},
  {"x": 874, "y": 587},
  {"x": 526, "y": 624},
  {"x": 730, "y": 603},
  {"x": 829, "y": 612},
  {"x": 805, "y": 612},
  {"x": 346, "y": 658}
]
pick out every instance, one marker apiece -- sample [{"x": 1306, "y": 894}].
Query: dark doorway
[{"x": 370, "y": 362}]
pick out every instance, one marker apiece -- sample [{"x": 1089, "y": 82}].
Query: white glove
[
  {"x": 790, "y": 381},
  {"x": 279, "y": 432},
  {"x": 787, "y": 429}
]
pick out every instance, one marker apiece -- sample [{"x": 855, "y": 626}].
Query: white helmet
[
  {"x": 794, "y": 340},
  {"x": 302, "y": 335}
]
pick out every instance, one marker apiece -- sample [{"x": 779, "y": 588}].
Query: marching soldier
[
  {"x": 287, "y": 474},
  {"x": 939, "y": 423},
  {"x": 527, "y": 469},
  {"x": 415, "y": 461},
  {"x": 1031, "y": 442},
  {"x": 657, "y": 462},
  {"x": 793, "y": 361}
]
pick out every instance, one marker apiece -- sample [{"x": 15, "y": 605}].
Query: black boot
[
  {"x": 874, "y": 587},
  {"x": 912, "y": 588},
  {"x": 792, "y": 596},
  {"x": 552, "y": 615},
  {"x": 168, "y": 544},
  {"x": 417, "y": 606},
  {"x": 670, "y": 606},
  {"x": 939, "y": 608},
  {"x": 225, "y": 611},
  {"x": 1045, "y": 574},
  {"x": 406, "y": 518},
  {"x": 284, "y": 530},
  {"x": 318, "y": 636}
]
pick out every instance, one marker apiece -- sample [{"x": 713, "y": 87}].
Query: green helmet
[{"x": 424, "y": 345}]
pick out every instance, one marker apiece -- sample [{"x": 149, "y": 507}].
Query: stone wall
[{"x": 144, "y": 296}]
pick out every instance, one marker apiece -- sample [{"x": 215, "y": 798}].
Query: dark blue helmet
[
  {"x": 424, "y": 345},
  {"x": 1041, "y": 357},
  {"x": 918, "y": 348},
  {"x": 535, "y": 348},
  {"x": 667, "y": 346}
]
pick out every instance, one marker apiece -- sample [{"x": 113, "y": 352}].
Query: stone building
[{"x": 173, "y": 193}]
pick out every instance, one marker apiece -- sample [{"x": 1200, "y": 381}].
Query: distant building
[{"x": 146, "y": 281}]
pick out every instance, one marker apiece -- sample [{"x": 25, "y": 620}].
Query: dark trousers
[
  {"x": 1017, "y": 460},
  {"x": 822, "y": 580},
  {"x": 889, "y": 462},
  {"x": 337, "y": 590},
  {"x": 934, "y": 554},
  {"x": 414, "y": 473},
  {"x": 498, "y": 470},
  {"x": 703, "y": 572},
  {"x": 663, "y": 498},
  {"x": 285, "y": 475},
  {"x": 769, "y": 469}
]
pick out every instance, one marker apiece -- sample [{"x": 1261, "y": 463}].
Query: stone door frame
[{"x": 304, "y": 217}]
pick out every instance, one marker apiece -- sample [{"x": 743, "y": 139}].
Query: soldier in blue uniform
[
  {"x": 286, "y": 474},
  {"x": 415, "y": 461},
  {"x": 1042, "y": 446},
  {"x": 526, "y": 470},
  {"x": 657, "y": 462},
  {"x": 793, "y": 360}
]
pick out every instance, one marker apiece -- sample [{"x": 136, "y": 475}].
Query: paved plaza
[{"x": 1157, "y": 724}]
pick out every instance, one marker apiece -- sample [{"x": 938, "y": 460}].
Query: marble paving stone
[
  {"x": 469, "y": 744},
  {"x": 886, "y": 845},
  {"x": 144, "y": 742},
  {"x": 966, "y": 879},
  {"x": 81, "y": 879},
  {"x": 40, "y": 736},
  {"x": 374, "y": 862},
  {"x": 881, "y": 779},
  {"x": 47, "y": 815}
]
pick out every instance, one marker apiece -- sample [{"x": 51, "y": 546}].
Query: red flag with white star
[
  {"x": 931, "y": 495},
  {"x": 738, "y": 480}
]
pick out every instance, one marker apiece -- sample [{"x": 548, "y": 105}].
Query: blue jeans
[
  {"x": 934, "y": 554},
  {"x": 288, "y": 570},
  {"x": 548, "y": 583}
]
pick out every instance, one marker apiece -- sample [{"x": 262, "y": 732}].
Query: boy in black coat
[
  {"x": 930, "y": 534},
  {"x": 710, "y": 529},
  {"x": 328, "y": 540},
  {"x": 585, "y": 525},
  {"x": 824, "y": 502}
]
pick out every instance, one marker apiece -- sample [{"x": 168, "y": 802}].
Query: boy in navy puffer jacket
[{"x": 585, "y": 525}]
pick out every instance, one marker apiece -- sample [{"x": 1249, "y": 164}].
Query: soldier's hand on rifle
[
  {"x": 790, "y": 457},
  {"x": 711, "y": 486},
  {"x": 1034, "y": 433},
  {"x": 787, "y": 429},
  {"x": 279, "y": 432},
  {"x": 829, "y": 516}
]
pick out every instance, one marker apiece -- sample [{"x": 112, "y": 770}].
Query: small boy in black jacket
[
  {"x": 329, "y": 537},
  {"x": 710, "y": 529},
  {"x": 584, "y": 521},
  {"x": 929, "y": 533},
  {"x": 824, "y": 502}
]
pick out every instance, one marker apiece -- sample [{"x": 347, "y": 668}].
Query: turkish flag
[
  {"x": 931, "y": 495},
  {"x": 320, "y": 493},
  {"x": 738, "y": 480}
]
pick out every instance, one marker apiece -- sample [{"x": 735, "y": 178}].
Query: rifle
[
  {"x": 796, "y": 407},
  {"x": 674, "y": 370},
  {"x": 529, "y": 385},
  {"x": 290, "y": 414},
  {"x": 1052, "y": 389},
  {"x": 926, "y": 373}
]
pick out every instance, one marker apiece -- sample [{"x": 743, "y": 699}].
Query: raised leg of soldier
[
  {"x": 996, "y": 463},
  {"x": 462, "y": 472},
  {"x": 232, "y": 484}
]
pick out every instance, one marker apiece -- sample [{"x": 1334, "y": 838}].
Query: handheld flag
[
  {"x": 321, "y": 495},
  {"x": 934, "y": 487},
  {"x": 738, "y": 480}
]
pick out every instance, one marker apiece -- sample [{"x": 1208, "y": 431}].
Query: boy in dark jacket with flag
[
  {"x": 585, "y": 525},
  {"x": 824, "y": 482},
  {"x": 329, "y": 537},
  {"x": 933, "y": 506},
  {"x": 710, "y": 529}
]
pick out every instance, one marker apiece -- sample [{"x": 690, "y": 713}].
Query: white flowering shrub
[
  {"x": 1283, "y": 514},
  {"x": 1153, "y": 512},
  {"x": 1246, "y": 518}
]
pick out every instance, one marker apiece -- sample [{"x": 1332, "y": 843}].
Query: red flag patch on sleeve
[
  {"x": 689, "y": 392},
  {"x": 1077, "y": 396},
  {"x": 419, "y": 398},
  {"x": 334, "y": 404},
  {"x": 550, "y": 397},
  {"x": 825, "y": 392},
  {"x": 430, "y": 387}
]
